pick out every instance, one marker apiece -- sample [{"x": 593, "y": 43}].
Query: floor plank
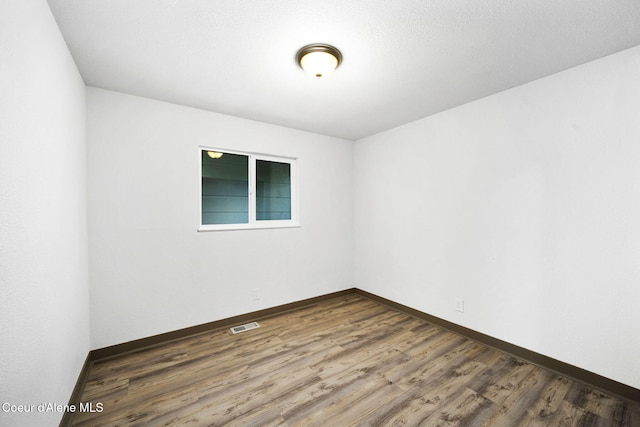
[{"x": 344, "y": 361}]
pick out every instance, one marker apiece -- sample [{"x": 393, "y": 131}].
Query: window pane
[
  {"x": 225, "y": 188},
  {"x": 273, "y": 190}
]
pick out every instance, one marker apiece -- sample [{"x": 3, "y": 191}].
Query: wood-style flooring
[{"x": 341, "y": 362}]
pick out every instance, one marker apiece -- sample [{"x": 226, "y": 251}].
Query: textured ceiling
[{"x": 403, "y": 59}]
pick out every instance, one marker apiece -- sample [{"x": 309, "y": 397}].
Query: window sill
[{"x": 254, "y": 226}]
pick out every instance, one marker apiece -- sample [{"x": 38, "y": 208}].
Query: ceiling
[{"x": 403, "y": 59}]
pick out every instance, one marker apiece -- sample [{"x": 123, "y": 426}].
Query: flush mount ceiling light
[
  {"x": 318, "y": 59},
  {"x": 214, "y": 154}
]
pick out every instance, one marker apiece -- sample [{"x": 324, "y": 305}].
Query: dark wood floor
[{"x": 346, "y": 361}]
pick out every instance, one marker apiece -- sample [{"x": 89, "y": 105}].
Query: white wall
[
  {"x": 150, "y": 270},
  {"x": 525, "y": 204},
  {"x": 44, "y": 297}
]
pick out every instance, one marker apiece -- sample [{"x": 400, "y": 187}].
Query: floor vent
[{"x": 242, "y": 328}]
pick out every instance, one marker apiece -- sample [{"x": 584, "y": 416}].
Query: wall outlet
[
  {"x": 256, "y": 294},
  {"x": 460, "y": 305}
]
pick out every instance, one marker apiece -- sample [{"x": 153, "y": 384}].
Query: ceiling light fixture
[
  {"x": 214, "y": 154},
  {"x": 318, "y": 59}
]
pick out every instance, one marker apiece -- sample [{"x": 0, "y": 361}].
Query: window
[{"x": 246, "y": 190}]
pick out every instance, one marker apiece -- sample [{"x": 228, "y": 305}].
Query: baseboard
[
  {"x": 139, "y": 344},
  {"x": 77, "y": 392},
  {"x": 610, "y": 386},
  {"x": 613, "y": 387}
]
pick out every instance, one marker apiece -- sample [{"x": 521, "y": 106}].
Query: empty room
[{"x": 215, "y": 212}]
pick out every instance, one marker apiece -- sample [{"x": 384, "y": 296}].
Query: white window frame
[{"x": 253, "y": 222}]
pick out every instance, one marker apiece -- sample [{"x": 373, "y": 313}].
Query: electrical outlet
[
  {"x": 460, "y": 305},
  {"x": 256, "y": 294}
]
